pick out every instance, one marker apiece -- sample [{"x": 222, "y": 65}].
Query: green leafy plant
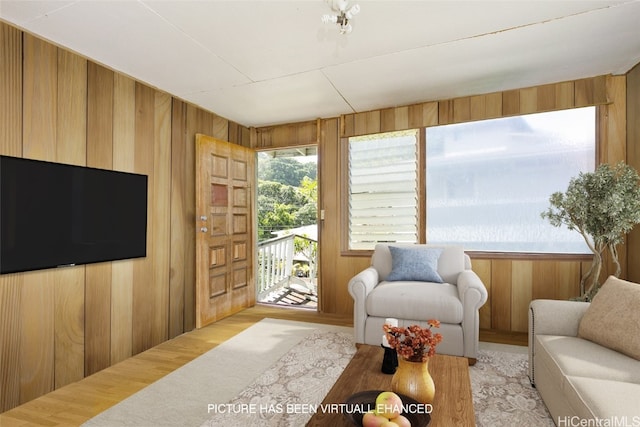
[{"x": 603, "y": 206}]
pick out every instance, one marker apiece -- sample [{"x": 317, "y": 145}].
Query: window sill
[{"x": 496, "y": 255}]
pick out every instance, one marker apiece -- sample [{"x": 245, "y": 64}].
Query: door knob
[
  {"x": 204, "y": 229},
  {"x": 203, "y": 217}
]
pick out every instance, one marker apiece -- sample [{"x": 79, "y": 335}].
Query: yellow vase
[{"x": 414, "y": 380}]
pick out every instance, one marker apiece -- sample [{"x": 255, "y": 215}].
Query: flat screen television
[{"x": 58, "y": 215}]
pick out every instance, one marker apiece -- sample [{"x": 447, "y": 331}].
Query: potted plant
[{"x": 602, "y": 206}]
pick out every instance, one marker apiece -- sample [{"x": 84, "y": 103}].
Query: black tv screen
[{"x": 57, "y": 215}]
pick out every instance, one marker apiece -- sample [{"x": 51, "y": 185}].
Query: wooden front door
[{"x": 225, "y": 237}]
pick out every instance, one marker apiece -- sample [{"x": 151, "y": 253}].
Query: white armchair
[{"x": 454, "y": 302}]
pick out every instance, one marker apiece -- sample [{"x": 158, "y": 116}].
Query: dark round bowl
[{"x": 366, "y": 400}]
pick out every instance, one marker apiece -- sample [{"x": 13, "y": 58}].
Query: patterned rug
[
  {"x": 502, "y": 394},
  {"x": 289, "y": 391},
  {"x": 286, "y": 394}
]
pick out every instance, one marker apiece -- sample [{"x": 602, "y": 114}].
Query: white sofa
[
  {"x": 455, "y": 303},
  {"x": 579, "y": 380}
]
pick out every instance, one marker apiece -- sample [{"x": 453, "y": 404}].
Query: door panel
[{"x": 225, "y": 237}]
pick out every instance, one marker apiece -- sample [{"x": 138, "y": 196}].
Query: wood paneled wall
[
  {"x": 633, "y": 158},
  {"x": 513, "y": 281},
  {"x": 580, "y": 93},
  {"x": 295, "y": 134},
  {"x": 57, "y": 326}
]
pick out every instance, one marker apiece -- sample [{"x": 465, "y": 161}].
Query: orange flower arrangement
[{"x": 414, "y": 343}]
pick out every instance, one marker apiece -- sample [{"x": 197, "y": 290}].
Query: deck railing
[{"x": 276, "y": 262}]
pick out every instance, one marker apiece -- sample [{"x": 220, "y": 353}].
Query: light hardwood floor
[{"x": 78, "y": 402}]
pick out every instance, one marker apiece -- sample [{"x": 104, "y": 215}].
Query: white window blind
[{"x": 383, "y": 192}]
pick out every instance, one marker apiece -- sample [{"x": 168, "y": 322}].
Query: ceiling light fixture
[{"x": 344, "y": 15}]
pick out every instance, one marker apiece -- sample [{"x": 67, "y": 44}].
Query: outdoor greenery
[
  {"x": 285, "y": 170},
  {"x": 309, "y": 248},
  {"x": 603, "y": 206},
  {"x": 287, "y": 195}
]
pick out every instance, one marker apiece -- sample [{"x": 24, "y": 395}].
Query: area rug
[
  {"x": 289, "y": 392},
  {"x": 276, "y": 372},
  {"x": 502, "y": 393}
]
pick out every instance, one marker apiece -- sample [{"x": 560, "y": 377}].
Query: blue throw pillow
[{"x": 416, "y": 264}]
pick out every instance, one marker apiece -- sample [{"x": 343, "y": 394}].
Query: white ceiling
[{"x": 268, "y": 62}]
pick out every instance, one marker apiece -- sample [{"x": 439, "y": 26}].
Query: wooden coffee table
[{"x": 452, "y": 405}]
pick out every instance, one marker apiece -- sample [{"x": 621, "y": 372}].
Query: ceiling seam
[
  {"x": 338, "y": 91},
  {"x": 196, "y": 42}
]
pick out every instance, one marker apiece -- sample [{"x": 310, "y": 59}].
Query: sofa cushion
[
  {"x": 606, "y": 399},
  {"x": 418, "y": 264},
  {"x": 415, "y": 300},
  {"x": 450, "y": 263},
  {"x": 613, "y": 318},
  {"x": 573, "y": 356}
]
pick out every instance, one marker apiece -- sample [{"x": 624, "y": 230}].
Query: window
[
  {"x": 488, "y": 181},
  {"x": 382, "y": 189}
]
